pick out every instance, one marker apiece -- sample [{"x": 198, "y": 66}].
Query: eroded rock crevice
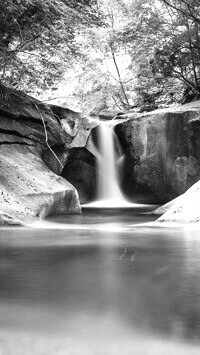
[
  {"x": 19, "y": 143},
  {"x": 13, "y": 134}
]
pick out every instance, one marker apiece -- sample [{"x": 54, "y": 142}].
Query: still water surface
[{"x": 103, "y": 285}]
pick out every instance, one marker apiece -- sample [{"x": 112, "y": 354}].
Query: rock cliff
[{"x": 163, "y": 147}]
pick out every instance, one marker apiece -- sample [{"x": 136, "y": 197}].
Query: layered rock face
[
  {"x": 28, "y": 128},
  {"x": 163, "y": 147}
]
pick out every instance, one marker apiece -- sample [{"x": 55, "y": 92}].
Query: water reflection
[{"x": 129, "y": 289}]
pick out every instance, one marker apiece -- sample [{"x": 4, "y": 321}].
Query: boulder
[
  {"x": 35, "y": 142},
  {"x": 77, "y": 126},
  {"x": 185, "y": 209},
  {"x": 163, "y": 147},
  {"x": 28, "y": 189},
  {"x": 164, "y": 208},
  {"x": 109, "y": 114}
]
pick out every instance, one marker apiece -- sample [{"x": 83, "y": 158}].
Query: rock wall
[
  {"x": 163, "y": 149},
  {"x": 30, "y": 185},
  {"x": 41, "y": 146}
]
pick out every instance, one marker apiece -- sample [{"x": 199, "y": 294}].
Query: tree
[
  {"x": 37, "y": 38},
  {"x": 126, "y": 34},
  {"x": 141, "y": 34},
  {"x": 179, "y": 56},
  {"x": 99, "y": 66},
  {"x": 115, "y": 15}
]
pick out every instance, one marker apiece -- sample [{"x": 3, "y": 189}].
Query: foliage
[
  {"x": 37, "y": 38},
  {"x": 179, "y": 56},
  {"x": 140, "y": 36},
  {"x": 116, "y": 52},
  {"x": 120, "y": 53}
]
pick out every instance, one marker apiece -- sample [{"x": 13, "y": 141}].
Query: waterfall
[
  {"x": 108, "y": 179},
  {"x": 109, "y": 193}
]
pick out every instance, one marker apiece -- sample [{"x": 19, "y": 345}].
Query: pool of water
[{"x": 104, "y": 283}]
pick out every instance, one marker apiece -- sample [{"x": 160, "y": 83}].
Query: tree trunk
[{"x": 119, "y": 77}]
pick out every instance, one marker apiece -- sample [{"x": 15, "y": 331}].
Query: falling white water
[
  {"x": 108, "y": 180},
  {"x": 109, "y": 193}
]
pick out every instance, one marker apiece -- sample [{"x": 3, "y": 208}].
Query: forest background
[{"x": 90, "y": 55}]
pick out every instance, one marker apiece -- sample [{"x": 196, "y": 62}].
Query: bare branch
[{"x": 45, "y": 131}]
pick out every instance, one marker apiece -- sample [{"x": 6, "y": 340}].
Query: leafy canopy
[
  {"x": 120, "y": 51},
  {"x": 37, "y": 37}
]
